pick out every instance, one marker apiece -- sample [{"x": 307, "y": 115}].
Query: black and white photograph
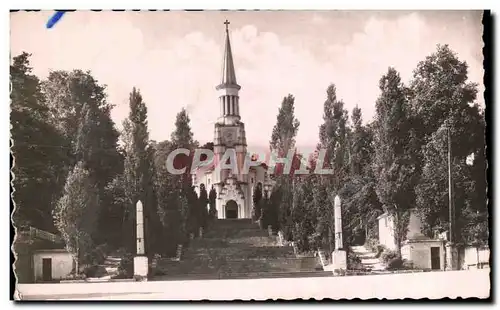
[{"x": 249, "y": 155}]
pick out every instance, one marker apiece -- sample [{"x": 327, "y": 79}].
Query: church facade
[{"x": 234, "y": 187}]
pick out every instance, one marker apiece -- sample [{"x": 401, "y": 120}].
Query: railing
[{"x": 38, "y": 233}]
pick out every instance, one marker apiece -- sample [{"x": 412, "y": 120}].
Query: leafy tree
[
  {"x": 265, "y": 212},
  {"x": 257, "y": 196},
  {"x": 138, "y": 176},
  {"x": 212, "y": 196},
  {"x": 394, "y": 166},
  {"x": 80, "y": 110},
  {"x": 334, "y": 139},
  {"x": 468, "y": 181},
  {"x": 182, "y": 137},
  {"x": 41, "y": 157},
  {"x": 76, "y": 212},
  {"x": 361, "y": 206},
  {"x": 361, "y": 145},
  {"x": 167, "y": 190},
  {"x": 439, "y": 86},
  {"x": 203, "y": 201},
  {"x": 442, "y": 101},
  {"x": 333, "y": 135},
  {"x": 303, "y": 215},
  {"x": 67, "y": 92},
  {"x": 323, "y": 213},
  {"x": 286, "y": 128}
]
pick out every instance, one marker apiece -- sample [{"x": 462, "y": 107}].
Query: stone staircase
[
  {"x": 111, "y": 265},
  {"x": 237, "y": 249},
  {"x": 369, "y": 261}
]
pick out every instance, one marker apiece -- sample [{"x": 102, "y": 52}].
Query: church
[{"x": 234, "y": 188}]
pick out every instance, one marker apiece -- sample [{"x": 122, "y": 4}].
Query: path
[
  {"x": 368, "y": 258},
  {"x": 470, "y": 283}
]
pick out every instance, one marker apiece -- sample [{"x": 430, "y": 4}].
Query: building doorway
[
  {"x": 47, "y": 269},
  {"x": 435, "y": 258},
  {"x": 231, "y": 209}
]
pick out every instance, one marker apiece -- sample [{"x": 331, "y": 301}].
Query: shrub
[
  {"x": 371, "y": 244},
  {"x": 353, "y": 261},
  {"x": 126, "y": 267},
  {"x": 395, "y": 263},
  {"x": 95, "y": 271},
  {"x": 379, "y": 249},
  {"x": 389, "y": 255}
]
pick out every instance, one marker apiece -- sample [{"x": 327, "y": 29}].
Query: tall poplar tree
[
  {"x": 394, "y": 166},
  {"x": 75, "y": 214},
  {"x": 138, "y": 176},
  {"x": 282, "y": 141},
  {"x": 333, "y": 136},
  {"x": 182, "y": 137}
]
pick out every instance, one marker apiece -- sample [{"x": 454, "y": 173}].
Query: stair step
[{"x": 236, "y": 248}]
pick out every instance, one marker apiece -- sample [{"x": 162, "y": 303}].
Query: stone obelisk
[
  {"x": 339, "y": 255},
  {"x": 140, "y": 260},
  {"x": 338, "y": 223}
]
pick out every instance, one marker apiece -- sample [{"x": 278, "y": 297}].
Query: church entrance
[{"x": 231, "y": 209}]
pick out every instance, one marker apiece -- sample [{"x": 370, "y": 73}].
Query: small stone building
[
  {"x": 52, "y": 265},
  {"x": 30, "y": 248},
  {"x": 424, "y": 252}
]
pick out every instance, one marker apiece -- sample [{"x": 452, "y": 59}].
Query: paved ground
[{"x": 472, "y": 283}]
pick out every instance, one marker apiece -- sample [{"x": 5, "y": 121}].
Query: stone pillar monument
[
  {"x": 339, "y": 255},
  {"x": 140, "y": 260}
]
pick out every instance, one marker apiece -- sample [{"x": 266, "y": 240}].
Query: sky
[{"x": 175, "y": 59}]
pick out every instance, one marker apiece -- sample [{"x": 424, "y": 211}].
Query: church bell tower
[{"x": 229, "y": 136}]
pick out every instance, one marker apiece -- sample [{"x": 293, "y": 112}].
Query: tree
[
  {"x": 333, "y": 136},
  {"x": 76, "y": 213},
  {"x": 167, "y": 193},
  {"x": 41, "y": 157},
  {"x": 394, "y": 167},
  {"x": 361, "y": 145},
  {"x": 182, "y": 137},
  {"x": 203, "y": 201},
  {"x": 334, "y": 140},
  {"x": 303, "y": 216},
  {"x": 282, "y": 142},
  {"x": 66, "y": 94},
  {"x": 443, "y": 100},
  {"x": 80, "y": 110},
  {"x": 286, "y": 128},
  {"x": 361, "y": 206},
  {"x": 439, "y": 86},
  {"x": 212, "y": 196},
  {"x": 256, "y": 197},
  {"x": 138, "y": 176}
]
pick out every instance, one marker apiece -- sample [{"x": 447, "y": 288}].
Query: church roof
[{"x": 228, "y": 72}]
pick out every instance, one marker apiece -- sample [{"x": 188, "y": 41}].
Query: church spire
[
  {"x": 228, "y": 73},
  {"x": 228, "y": 88}
]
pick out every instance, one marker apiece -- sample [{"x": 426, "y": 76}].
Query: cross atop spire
[{"x": 228, "y": 74}]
